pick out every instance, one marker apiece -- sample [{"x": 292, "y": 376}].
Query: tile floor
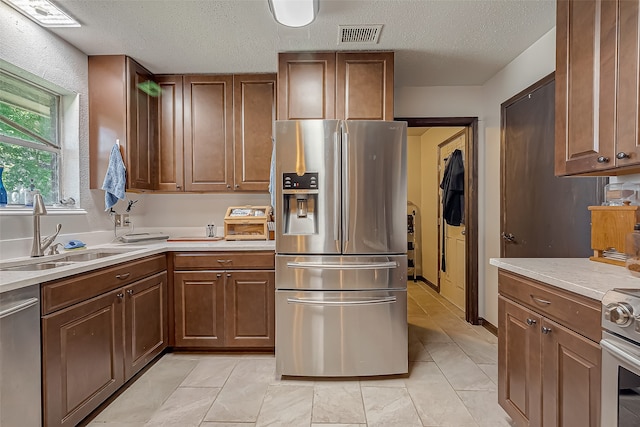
[{"x": 452, "y": 382}]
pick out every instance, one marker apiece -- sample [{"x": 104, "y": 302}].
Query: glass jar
[{"x": 632, "y": 249}]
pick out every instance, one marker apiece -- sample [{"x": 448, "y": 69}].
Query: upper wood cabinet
[
  {"x": 214, "y": 132},
  {"x": 119, "y": 110},
  {"x": 330, "y": 85},
  {"x": 208, "y": 133},
  {"x": 597, "y": 87}
]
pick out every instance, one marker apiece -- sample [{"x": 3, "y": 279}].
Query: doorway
[{"x": 470, "y": 125}]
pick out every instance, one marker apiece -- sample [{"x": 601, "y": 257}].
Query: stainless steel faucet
[{"x": 39, "y": 245}]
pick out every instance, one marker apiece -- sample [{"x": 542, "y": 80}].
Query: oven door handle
[{"x": 620, "y": 353}]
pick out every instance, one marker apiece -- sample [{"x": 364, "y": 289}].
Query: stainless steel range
[{"x": 621, "y": 358}]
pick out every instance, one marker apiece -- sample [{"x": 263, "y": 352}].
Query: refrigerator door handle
[
  {"x": 371, "y": 301},
  {"x": 336, "y": 199},
  {"x": 363, "y": 266},
  {"x": 345, "y": 189}
]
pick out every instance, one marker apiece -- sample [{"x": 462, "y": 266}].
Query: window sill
[{"x": 28, "y": 211}]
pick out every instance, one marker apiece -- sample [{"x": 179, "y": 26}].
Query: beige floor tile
[
  {"x": 216, "y": 424},
  {"x": 242, "y": 395},
  {"x": 338, "y": 403},
  {"x": 388, "y": 406},
  {"x": 186, "y": 407},
  {"x": 491, "y": 370},
  {"x": 113, "y": 424},
  {"x": 435, "y": 400},
  {"x": 461, "y": 372},
  {"x": 475, "y": 346},
  {"x": 286, "y": 406},
  {"x": 338, "y": 425},
  {"x": 148, "y": 393},
  {"x": 484, "y": 407},
  {"x": 210, "y": 372},
  {"x": 417, "y": 352}
]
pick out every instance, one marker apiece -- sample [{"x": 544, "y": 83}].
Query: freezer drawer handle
[
  {"x": 23, "y": 305},
  {"x": 384, "y": 300},
  {"x": 371, "y": 266}
]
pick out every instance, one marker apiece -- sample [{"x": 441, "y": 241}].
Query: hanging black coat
[{"x": 453, "y": 190}]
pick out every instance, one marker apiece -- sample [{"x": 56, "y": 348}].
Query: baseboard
[
  {"x": 488, "y": 326},
  {"x": 428, "y": 283}
]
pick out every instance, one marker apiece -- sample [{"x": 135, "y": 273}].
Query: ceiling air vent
[{"x": 359, "y": 33}]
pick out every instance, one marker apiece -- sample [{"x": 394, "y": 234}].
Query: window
[{"x": 29, "y": 138}]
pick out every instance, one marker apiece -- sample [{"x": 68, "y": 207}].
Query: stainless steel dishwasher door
[
  {"x": 341, "y": 333},
  {"x": 20, "y": 358}
]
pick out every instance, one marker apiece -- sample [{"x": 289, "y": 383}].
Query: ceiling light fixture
[
  {"x": 43, "y": 12},
  {"x": 294, "y": 13}
]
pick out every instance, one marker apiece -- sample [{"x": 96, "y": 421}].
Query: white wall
[{"x": 484, "y": 102}]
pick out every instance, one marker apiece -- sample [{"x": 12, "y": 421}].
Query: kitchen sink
[
  {"x": 61, "y": 260},
  {"x": 37, "y": 266},
  {"x": 90, "y": 256}
]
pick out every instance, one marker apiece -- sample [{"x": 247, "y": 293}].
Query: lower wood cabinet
[
  {"x": 224, "y": 308},
  {"x": 91, "y": 348},
  {"x": 549, "y": 374}
]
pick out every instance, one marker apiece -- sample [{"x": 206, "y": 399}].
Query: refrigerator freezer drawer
[
  {"x": 336, "y": 334},
  {"x": 334, "y": 272}
]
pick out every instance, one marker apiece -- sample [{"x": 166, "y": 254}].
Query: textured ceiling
[{"x": 437, "y": 42}]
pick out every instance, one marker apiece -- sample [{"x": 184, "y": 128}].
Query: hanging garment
[
  {"x": 115, "y": 179},
  {"x": 452, "y": 196}
]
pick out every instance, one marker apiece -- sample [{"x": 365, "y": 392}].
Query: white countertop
[
  {"x": 578, "y": 275},
  {"x": 11, "y": 280}
]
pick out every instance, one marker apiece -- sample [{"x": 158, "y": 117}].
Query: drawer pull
[
  {"x": 224, "y": 261},
  {"x": 540, "y": 300},
  {"x": 219, "y": 275},
  {"x": 546, "y": 330},
  {"x": 129, "y": 292},
  {"x": 123, "y": 276},
  {"x": 531, "y": 322},
  {"x": 228, "y": 274}
]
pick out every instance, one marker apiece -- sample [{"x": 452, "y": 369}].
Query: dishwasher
[{"x": 20, "y": 367}]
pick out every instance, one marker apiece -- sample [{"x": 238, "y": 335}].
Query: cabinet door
[
  {"x": 145, "y": 322},
  {"x": 254, "y": 104},
  {"x": 306, "y": 86},
  {"x": 199, "y": 309},
  {"x": 571, "y": 378},
  {"x": 585, "y": 86},
  {"x": 249, "y": 308},
  {"x": 208, "y": 133},
  {"x": 141, "y": 122},
  {"x": 519, "y": 363},
  {"x": 170, "y": 158},
  {"x": 628, "y": 94},
  {"x": 364, "y": 86},
  {"x": 82, "y": 358}
]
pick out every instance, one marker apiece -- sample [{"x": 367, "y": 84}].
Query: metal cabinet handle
[
  {"x": 120, "y": 295},
  {"x": 531, "y": 322},
  {"x": 123, "y": 276},
  {"x": 545, "y": 330},
  {"x": 130, "y": 292},
  {"x": 237, "y": 185},
  {"x": 228, "y": 185},
  {"x": 224, "y": 261},
  {"x": 228, "y": 274},
  {"x": 602, "y": 159},
  {"x": 219, "y": 275},
  {"x": 539, "y": 300},
  {"x": 178, "y": 187},
  {"x": 622, "y": 155}
]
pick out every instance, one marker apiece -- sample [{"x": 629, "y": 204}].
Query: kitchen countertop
[
  {"x": 11, "y": 280},
  {"x": 578, "y": 275}
]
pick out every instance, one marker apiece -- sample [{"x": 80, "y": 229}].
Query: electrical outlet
[{"x": 121, "y": 220}]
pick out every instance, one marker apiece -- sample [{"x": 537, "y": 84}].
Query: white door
[{"x": 452, "y": 281}]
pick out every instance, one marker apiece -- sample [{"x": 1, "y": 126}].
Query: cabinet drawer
[
  {"x": 576, "y": 312},
  {"x": 68, "y": 291},
  {"x": 223, "y": 260}
]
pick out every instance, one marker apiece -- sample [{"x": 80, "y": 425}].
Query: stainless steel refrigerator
[{"x": 341, "y": 264}]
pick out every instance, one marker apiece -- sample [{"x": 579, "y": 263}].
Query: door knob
[
  {"x": 508, "y": 237},
  {"x": 531, "y": 322},
  {"x": 463, "y": 232},
  {"x": 602, "y": 159},
  {"x": 546, "y": 330},
  {"x": 622, "y": 155}
]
